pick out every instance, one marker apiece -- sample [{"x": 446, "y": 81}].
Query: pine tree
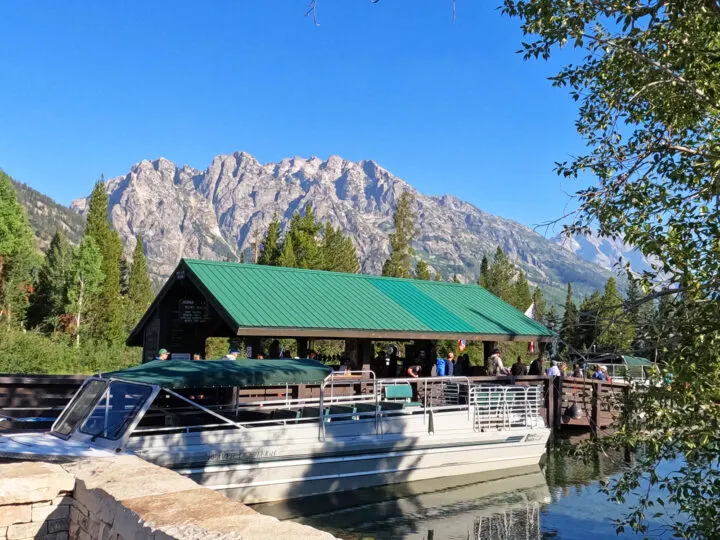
[
  {"x": 287, "y": 256},
  {"x": 455, "y": 279},
  {"x": 499, "y": 277},
  {"x": 401, "y": 239},
  {"x": 568, "y": 329},
  {"x": 85, "y": 284},
  {"x": 49, "y": 300},
  {"x": 616, "y": 331},
  {"x": 338, "y": 252},
  {"x": 520, "y": 295},
  {"x": 271, "y": 245},
  {"x": 108, "y": 307},
  {"x": 17, "y": 255},
  {"x": 484, "y": 271},
  {"x": 422, "y": 271},
  {"x": 588, "y": 326},
  {"x": 304, "y": 231},
  {"x": 539, "y": 302},
  {"x": 551, "y": 319},
  {"x": 139, "y": 295}
]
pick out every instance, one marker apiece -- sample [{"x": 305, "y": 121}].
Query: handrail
[{"x": 345, "y": 375}]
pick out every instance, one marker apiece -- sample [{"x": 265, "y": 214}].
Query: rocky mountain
[
  {"x": 46, "y": 216},
  {"x": 610, "y": 253},
  {"x": 219, "y": 212}
]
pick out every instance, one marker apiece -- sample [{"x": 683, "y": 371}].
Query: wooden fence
[{"x": 592, "y": 404}]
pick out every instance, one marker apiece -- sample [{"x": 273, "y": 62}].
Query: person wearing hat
[
  {"x": 232, "y": 354},
  {"x": 162, "y": 354}
]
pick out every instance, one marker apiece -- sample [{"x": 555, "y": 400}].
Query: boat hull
[{"x": 282, "y": 479}]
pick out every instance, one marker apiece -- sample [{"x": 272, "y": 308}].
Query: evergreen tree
[
  {"x": 438, "y": 275},
  {"x": 499, "y": 277},
  {"x": 287, "y": 256},
  {"x": 568, "y": 329},
  {"x": 539, "y": 302},
  {"x": 401, "y": 239},
  {"x": 108, "y": 308},
  {"x": 551, "y": 319},
  {"x": 304, "y": 231},
  {"x": 271, "y": 245},
  {"x": 85, "y": 284},
  {"x": 484, "y": 271},
  {"x": 338, "y": 251},
  {"x": 124, "y": 276},
  {"x": 422, "y": 271},
  {"x": 520, "y": 295},
  {"x": 17, "y": 255},
  {"x": 49, "y": 300},
  {"x": 589, "y": 322},
  {"x": 616, "y": 330},
  {"x": 455, "y": 279},
  {"x": 140, "y": 294}
]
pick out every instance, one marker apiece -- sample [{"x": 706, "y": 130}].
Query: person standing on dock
[
  {"x": 536, "y": 367},
  {"x": 232, "y": 354},
  {"x": 496, "y": 364},
  {"x": 163, "y": 354},
  {"x": 518, "y": 369}
]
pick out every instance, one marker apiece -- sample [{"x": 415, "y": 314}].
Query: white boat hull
[{"x": 286, "y": 462}]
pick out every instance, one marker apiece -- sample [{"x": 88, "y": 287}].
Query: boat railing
[{"x": 503, "y": 407}]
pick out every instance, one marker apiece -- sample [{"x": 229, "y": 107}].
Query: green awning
[
  {"x": 636, "y": 361},
  {"x": 176, "y": 374}
]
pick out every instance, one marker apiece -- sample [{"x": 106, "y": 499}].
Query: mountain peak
[{"x": 216, "y": 214}]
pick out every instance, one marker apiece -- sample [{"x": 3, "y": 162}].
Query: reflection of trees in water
[{"x": 516, "y": 523}]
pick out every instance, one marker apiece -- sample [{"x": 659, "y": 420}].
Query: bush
[{"x": 33, "y": 352}]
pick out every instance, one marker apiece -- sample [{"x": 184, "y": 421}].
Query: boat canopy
[
  {"x": 176, "y": 374},
  {"x": 636, "y": 361}
]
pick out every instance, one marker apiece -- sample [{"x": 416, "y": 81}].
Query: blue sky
[{"x": 91, "y": 87}]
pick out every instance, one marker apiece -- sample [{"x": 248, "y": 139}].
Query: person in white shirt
[
  {"x": 553, "y": 370},
  {"x": 496, "y": 364}
]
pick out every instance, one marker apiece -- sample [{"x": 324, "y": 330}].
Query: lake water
[{"x": 559, "y": 499}]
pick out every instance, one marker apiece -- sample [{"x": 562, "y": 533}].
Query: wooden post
[
  {"x": 558, "y": 392},
  {"x": 550, "y": 404},
  {"x": 595, "y": 411}
]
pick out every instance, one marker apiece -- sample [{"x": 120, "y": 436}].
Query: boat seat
[
  {"x": 366, "y": 407},
  {"x": 399, "y": 391},
  {"x": 343, "y": 409},
  {"x": 286, "y": 414},
  {"x": 311, "y": 412}
]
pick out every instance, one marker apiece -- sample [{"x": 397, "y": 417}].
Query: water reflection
[
  {"x": 558, "y": 500},
  {"x": 471, "y": 507}
]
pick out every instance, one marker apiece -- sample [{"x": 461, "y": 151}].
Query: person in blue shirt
[
  {"x": 450, "y": 364},
  {"x": 600, "y": 373},
  {"x": 440, "y": 366}
]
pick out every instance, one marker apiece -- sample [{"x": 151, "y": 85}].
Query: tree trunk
[{"x": 79, "y": 314}]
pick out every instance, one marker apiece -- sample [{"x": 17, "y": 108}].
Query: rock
[
  {"x": 213, "y": 214},
  {"x": 24, "y": 482}
]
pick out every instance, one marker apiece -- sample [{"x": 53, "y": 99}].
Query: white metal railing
[
  {"x": 487, "y": 406},
  {"x": 502, "y": 407}
]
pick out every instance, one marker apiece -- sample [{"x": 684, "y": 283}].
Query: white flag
[{"x": 530, "y": 312}]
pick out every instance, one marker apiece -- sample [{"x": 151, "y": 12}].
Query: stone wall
[
  {"x": 125, "y": 498},
  {"x": 35, "y": 501}
]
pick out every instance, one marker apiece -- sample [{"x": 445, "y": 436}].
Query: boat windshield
[
  {"x": 79, "y": 407},
  {"x": 103, "y": 410}
]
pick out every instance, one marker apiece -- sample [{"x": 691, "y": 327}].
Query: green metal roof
[
  {"x": 176, "y": 374},
  {"x": 276, "y": 301},
  {"x": 636, "y": 361}
]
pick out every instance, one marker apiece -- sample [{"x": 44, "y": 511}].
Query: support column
[{"x": 302, "y": 347}]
